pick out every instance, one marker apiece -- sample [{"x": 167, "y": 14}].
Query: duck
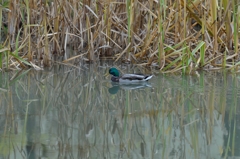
[{"x": 128, "y": 78}]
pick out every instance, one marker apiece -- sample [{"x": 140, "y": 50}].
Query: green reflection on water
[{"x": 79, "y": 113}]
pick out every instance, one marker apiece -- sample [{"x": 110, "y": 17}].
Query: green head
[{"x": 113, "y": 71}]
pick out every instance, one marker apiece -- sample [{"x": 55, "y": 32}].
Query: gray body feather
[{"x": 134, "y": 78}]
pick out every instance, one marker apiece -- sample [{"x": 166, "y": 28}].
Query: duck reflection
[{"x": 126, "y": 86}]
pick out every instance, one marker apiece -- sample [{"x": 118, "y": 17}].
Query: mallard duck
[{"x": 128, "y": 78}]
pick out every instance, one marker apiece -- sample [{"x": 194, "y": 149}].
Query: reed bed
[{"x": 171, "y": 35}]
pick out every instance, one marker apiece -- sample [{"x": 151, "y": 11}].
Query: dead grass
[{"x": 170, "y": 35}]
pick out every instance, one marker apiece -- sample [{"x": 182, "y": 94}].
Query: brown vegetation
[{"x": 170, "y": 35}]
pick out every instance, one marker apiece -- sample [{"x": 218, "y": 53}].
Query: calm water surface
[{"x": 78, "y": 113}]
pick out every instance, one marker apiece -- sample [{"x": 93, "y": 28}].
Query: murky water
[{"x": 78, "y": 113}]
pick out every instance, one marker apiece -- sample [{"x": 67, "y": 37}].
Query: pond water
[{"x": 68, "y": 112}]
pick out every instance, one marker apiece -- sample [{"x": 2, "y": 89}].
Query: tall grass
[{"x": 139, "y": 32}]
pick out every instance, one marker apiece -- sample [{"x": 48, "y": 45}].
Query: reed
[
  {"x": 236, "y": 11},
  {"x": 129, "y": 31}
]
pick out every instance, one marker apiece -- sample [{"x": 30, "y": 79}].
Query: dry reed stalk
[
  {"x": 1, "y": 18},
  {"x": 12, "y": 20},
  {"x": 28, "y": 29},
  {"x": 227, "y": 20},
  {"x": 236, "y": 10},
  {"x": 214, "y": 25},
  {"x": 46, "y": 43},
  {"x": 56, "y": 21}
]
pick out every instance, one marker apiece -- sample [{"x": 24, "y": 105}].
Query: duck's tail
[{"x": 148, "y": 77}]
